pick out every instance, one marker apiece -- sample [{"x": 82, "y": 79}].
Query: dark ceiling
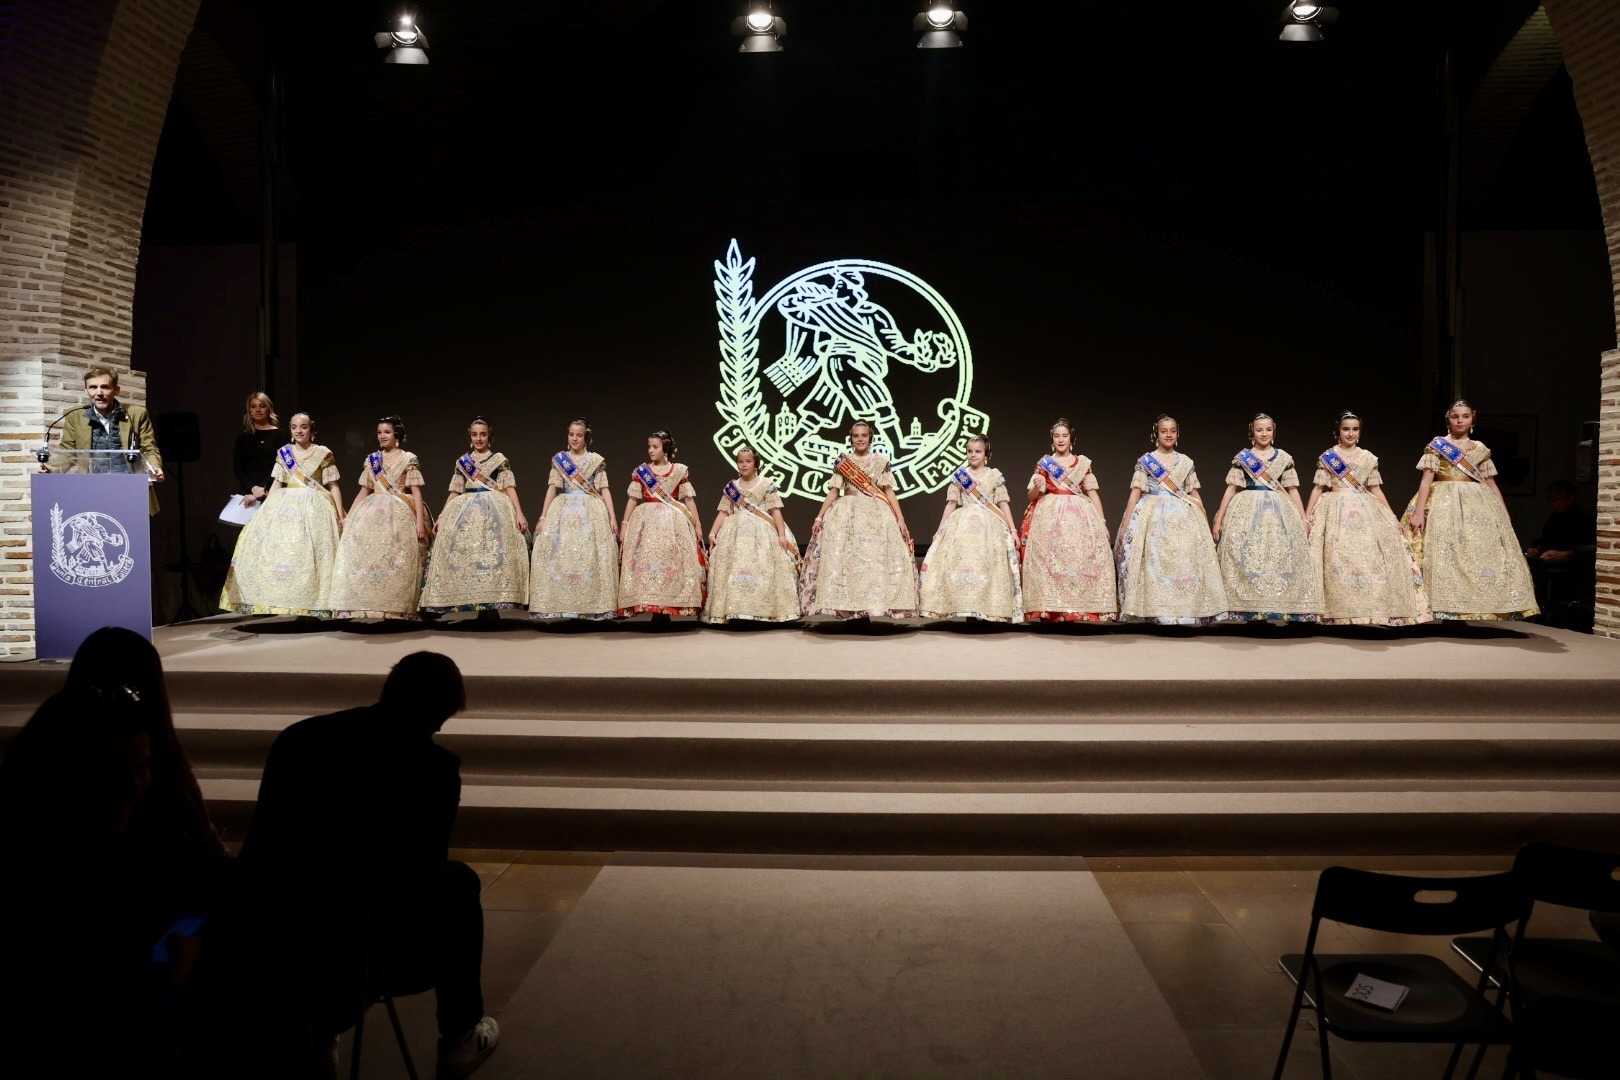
[{"x": 647, "y": 100}]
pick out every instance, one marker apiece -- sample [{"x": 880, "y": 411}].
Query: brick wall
[
  {"x": 84, "y": 85},
  {"x": 1589, "y": 33}
]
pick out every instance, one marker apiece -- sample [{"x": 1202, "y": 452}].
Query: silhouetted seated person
[
  {"x": 347, "y": 863},
  {"x": 79, "y": 992},
  {"x": 1568, "y": 541}
]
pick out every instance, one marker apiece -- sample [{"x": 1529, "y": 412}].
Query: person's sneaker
[{"x": 460, "y": 1057}]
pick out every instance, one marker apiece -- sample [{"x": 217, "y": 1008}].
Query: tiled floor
[{"x": 1208, "y": 931}]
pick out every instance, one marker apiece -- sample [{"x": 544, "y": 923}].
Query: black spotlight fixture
[
  {"x": 1303, "y": 20},
  {"x": 405, "y": 42},
  {"x": 940, "y": 26},
  {"x": 761, "y": 29}
]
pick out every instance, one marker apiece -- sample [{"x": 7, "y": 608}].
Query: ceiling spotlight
[
  {"x": 404, "y": 40},
  {"x": 1303, "y": 20},
  {"x": 940, "y": 26},
  {"x": 761, "y": 30}
]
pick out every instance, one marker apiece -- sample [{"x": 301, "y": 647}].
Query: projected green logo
[{"x": 844, "y": 356}]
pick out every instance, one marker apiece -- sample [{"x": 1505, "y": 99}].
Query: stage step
[
  {"x": 1467, "y": 741},
  {"x": 1291, "y": 819}
]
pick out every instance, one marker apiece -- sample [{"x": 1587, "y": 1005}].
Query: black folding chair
[
  {"x": 1567, "y": 989},
  {"x": 373, "y": 981},
  {"x": 1440, "y": 1007}
]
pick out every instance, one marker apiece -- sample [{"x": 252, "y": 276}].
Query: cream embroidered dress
[
  {"x": 661, "y": 568},
  {"x": 1168, "y": 572},
  {"x": 1472, "y": 565},
  {"x": 479, "y": 562},
  {"x": 1265, "y": 554},
  {"x": 1068, "y": 556},
  {"x": 378, "y": 574},
  {"x": 971, "y": 569},
  {"x": 283, "y": 559},
  {"x": 751, "y": 576},
  {"x": 1369, "y": 577},
  {"x": 858, "y": 564},
  {"x": 575, "y": 569}
]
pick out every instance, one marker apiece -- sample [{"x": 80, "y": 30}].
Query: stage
[{"x": 948, "y": 738}]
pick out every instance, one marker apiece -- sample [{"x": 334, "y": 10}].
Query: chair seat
[
  {"x": 1555, "y": 967},
  {"x": 1439, "y": 1007},
  {"x": 1607, "y": 925}
]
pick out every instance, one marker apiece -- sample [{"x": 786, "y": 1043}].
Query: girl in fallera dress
[
  {"x": 1168, "y": 571},
  {"x": 1068, "y": 558},
  {"x": 1369, "y": 576},
  {"x": 662, "y": 564},
  {"x": 479, "y": 562},
  {"x": 285, "y": 554},
  {"x": 971, "y": 570},
  {"x": 378, "y": 574},
  {"x": 574, "y": 573},
  {"x": 1458, "y": 525},
  {"x": 753, "y": 557},
  {"x": 860, "y": 562},
  {"x": 1260, "y": 533}
]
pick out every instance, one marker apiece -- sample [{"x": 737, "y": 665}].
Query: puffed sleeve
[
  {"x": 505, "y": 476},
  {"x": 1192, "y": 481},
  {"x": 724, "y": 506},
  {"x": 1374, "y": 477},
  {"x": 1322, "y": 479},
  {"x": 1289, "y": 477},
  {"x": 458, "y": 481},
  {"x": 835, "y": 482},
  {"x": 883, "y": 478},
  {"x": 1139, "y": 479},
  {"x": 1430, "y": 462},
  {"x": 1487, "y": 467},
  {"x": 279, "y": 472},
  {"x": 999, "y": 487},
  {"x": 634, "y": 490},
  {"x": 953, "y": 493},
  {"x": 1234, "y": 475},
  {"x": 772, "y": 499},
  {"x": 1088, "y": 482},
  {"x": 684, "y": 489},
  {"x": 327, "y": 471},
  {"x": 412, "y": 476},
  {"x": 365, "y": 474},
  {"x": 599, "y": 479},
  {"x": 556, "y": 478}
]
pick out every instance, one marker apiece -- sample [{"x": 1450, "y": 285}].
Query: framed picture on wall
[{"x": 1512, "y": 439}]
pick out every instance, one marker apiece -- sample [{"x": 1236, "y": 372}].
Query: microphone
[{"x": 43, "y": 454}]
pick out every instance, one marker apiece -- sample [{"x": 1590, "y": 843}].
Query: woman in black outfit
[{"x": 256, "y": 448}]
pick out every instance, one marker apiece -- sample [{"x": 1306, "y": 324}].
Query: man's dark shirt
[
  {"x": 1567, "y": 530},
  {"x": 355, "y": 800}
]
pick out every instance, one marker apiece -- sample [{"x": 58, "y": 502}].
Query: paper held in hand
[
  {"x": 1376, "y": 992},
  {"x": 237, "y": 514}
]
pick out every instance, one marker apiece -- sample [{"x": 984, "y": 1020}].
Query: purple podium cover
[{"x": 92, "y": 558}]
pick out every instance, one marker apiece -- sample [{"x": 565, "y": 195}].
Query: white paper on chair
[
  {"x": 237, "y": 514},
  {"x": 1376, "y": 992}
]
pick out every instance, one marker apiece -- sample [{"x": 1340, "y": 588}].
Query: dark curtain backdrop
[{"x": 1105, "y": 311}]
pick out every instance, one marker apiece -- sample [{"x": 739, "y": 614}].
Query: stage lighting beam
[
  {"x": 939, "y": 26},
  {"x": 760, "y": 28}
]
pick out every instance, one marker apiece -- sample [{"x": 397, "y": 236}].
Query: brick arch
[
  {"x": 1589, "y": 33},
  {"x": 84, "y": 86}
]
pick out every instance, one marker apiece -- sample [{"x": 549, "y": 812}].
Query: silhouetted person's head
[
  {"x": 76, "y": 769},
  {"x": 1562, "y": 495},
  {"x": 424, "y": 690},
  {"x": 113, "y": 657}
]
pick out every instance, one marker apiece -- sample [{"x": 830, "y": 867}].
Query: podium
[{"x": 92, "y": 548}]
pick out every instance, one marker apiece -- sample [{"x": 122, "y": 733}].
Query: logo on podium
[
  {"x": 89, "y": 549},
  {"x": 859, "y": 340}
]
